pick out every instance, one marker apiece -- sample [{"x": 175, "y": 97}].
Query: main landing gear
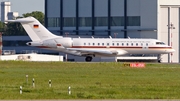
[{"x": 88, "y": 59}]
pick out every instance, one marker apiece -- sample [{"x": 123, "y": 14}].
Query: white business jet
[{"x": 89, "y": 47}]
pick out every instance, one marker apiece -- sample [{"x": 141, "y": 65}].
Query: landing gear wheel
[
  {"x": 159, "y": 61},
  {"x": 88, "y": 59}
]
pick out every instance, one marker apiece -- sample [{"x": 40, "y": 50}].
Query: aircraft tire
[
  {"x": 159, "y": 61},
  {"x": 88, "y": 59}
]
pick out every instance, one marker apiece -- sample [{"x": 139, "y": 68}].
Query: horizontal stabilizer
[{"x": 20, "y": 20}]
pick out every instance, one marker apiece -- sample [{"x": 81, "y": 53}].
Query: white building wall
[
  {"x": 163, "y": 29},
  {"x": 169, "y": 2},
  {"x": 174, "y": 18},
  {"x": 168, "y": 13},
  {"x": 32, "y": 57},
  {"x": 162, "y": 24},
  {"x": 5, "y": 8}
]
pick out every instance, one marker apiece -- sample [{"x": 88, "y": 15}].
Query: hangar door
[{"x": 169, "y": 31}]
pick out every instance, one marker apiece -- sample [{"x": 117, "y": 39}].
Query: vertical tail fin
[{"x": 34, "y": 29}]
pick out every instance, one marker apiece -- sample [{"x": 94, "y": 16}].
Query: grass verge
[{"x": 88, "y": 80}]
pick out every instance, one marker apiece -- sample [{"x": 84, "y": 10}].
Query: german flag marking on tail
[{"x": 36, "y": 26}]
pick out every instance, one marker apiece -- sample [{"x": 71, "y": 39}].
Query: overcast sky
[{"x": 26, "y": 6}]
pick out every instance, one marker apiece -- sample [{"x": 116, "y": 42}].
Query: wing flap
[
  {"x": 93, "y": 51},
  {"x": 89, "y": 50}
]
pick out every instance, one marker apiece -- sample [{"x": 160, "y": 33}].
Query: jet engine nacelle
[
  {"x": 50, "y": 43},
  {"x": 58, "y": 42},
  {"x": 65, "y": 42},
  {"x": 34, "y": 43}
]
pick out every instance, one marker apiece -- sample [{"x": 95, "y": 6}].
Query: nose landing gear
[{"x": 159, "y": 58}]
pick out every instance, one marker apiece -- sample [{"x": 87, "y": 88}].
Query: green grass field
[{"x": 88, "y": 80}]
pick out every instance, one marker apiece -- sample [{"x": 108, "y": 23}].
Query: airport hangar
[{"x": 157, "y": 19}]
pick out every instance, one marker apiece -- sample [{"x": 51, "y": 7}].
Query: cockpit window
[{"x": 160, "y": 43}]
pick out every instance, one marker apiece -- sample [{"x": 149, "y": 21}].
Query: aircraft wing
[{"x": 93, "y": 51}]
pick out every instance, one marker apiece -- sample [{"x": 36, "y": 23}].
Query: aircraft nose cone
[
  {"x": 173, "y": 50},
  {"x": 170, "y": 50}
]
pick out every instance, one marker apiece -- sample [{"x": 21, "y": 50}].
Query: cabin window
[
  {"x": 127, "y": 44},
  {"x": 107, "y": 44},
  {"x": 117, "y": 44},
  {"x": 93, "y": 44},
  {"x": 122, "y": 44},
  {"x": 103, "y": 44},
  {"x": 98, "y": 44},
  {"x": 131, "y": 44},
  {"x": 141, "y": 44},
  {"x": 89, "y": 43},
  {"x": 136, "y": 44},
  {"x": 113, "y": 44},
  {"x": 84, "y": 44},
  {"x": 146, "y": 44}
]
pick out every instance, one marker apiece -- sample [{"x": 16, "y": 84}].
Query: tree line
[{"x": 14, "y": 29}]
